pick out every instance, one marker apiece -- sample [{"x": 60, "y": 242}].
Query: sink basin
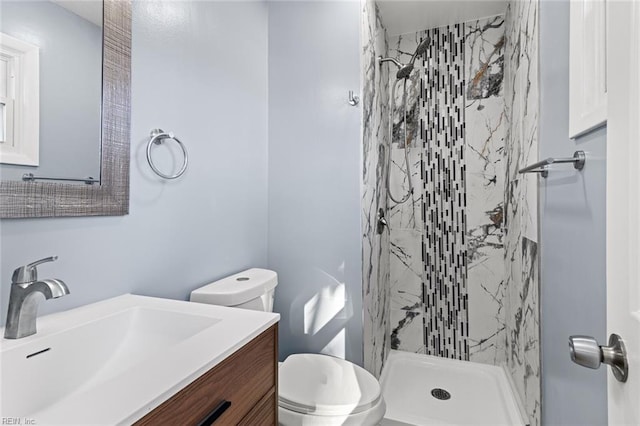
[
  {"x": 113, "y": 361},
  {"x": 89, "y": 354}
]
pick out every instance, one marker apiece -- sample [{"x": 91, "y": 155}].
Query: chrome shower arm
[{"x": 397, "y": 63}]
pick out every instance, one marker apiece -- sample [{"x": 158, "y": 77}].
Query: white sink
[{"x": 113, "y": 361}]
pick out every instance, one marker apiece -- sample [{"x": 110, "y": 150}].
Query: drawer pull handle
[{"x": 217, "y": 412}]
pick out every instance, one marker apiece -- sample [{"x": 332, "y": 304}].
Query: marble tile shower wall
[
  {"x": 485, "y": 157},
  {"x": 447, "y": 261},
  {"x": 375, "y": 248},
  {"x": 522, "y": 309}
]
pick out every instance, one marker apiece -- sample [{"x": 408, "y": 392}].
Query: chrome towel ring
[{"x": 157, "y": 136}]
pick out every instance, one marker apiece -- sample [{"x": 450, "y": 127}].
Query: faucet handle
[{"x": 29, "y": 273}]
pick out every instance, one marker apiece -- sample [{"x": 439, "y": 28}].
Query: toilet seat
[{"x": 321, "y": 385}]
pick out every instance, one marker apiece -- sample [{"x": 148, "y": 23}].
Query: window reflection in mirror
[{"x": 50, "y": 57}]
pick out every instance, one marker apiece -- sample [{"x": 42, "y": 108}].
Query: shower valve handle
[{"x": 382, "y": 222}]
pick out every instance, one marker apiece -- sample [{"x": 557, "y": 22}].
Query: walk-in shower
[
  {"x": 450, "y": 283},
  {"x": 403, "y": 74}
]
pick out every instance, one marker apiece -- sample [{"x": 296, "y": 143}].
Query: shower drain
[{"x": 440, "y": 394}]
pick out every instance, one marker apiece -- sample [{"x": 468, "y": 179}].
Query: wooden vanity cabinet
[{"x": 241, "y": 390}]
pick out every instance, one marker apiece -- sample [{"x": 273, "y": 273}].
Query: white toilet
[{"x": 313, "y": 389}]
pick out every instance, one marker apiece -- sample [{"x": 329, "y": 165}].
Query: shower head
[
  {"x": 422, "y": 47},
  {"x": 405, "y": 71}
]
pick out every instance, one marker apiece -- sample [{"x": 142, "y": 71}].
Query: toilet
[{"x": 313, "y": 389}]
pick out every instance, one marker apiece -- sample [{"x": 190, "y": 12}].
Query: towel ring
[{"x": 157, "y": 136}]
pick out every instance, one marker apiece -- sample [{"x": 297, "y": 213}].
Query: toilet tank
[{"x": 250, "y": 289}]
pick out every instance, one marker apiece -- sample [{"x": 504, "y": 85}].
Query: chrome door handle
[{"x": 585, "y": 351}]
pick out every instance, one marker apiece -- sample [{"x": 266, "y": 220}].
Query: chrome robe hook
[{"x": 353, "y": 99}]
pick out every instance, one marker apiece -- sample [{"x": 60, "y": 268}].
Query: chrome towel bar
[
  {"x": 29, "y": 177},
  {"x": 579, "y": 158}
]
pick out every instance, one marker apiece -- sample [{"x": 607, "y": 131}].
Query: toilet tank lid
[{"x": 238, "y": 288}]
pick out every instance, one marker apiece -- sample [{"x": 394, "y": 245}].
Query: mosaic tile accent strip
[{"x": 444, "y": 245}]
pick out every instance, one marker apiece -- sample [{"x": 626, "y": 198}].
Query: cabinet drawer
[
  {"x": 243, "y": 379},
  {"x": 263, "y": 414}
]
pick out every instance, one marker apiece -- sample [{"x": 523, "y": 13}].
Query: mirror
[
  {"x": 70, "y": 126},
  {"x": 60, "y": 84}
]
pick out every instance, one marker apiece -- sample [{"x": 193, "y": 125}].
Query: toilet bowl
[
  {"x": 313, "y": 389},
  {"x": 323, "y": 390}
]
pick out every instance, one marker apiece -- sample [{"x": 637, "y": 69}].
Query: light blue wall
[
  {"x": 70, "y": 87},
  {"x": 208, "y": 71},
  {"x": 572, "y": 226},
  {"x": 198, "y": 69},
  {"x": 314, "y": 176}
]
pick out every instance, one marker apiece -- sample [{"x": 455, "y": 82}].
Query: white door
[{"x": 623, "y": 202}]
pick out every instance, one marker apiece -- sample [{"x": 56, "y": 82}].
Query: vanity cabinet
[{"x": 247, "y": 379}]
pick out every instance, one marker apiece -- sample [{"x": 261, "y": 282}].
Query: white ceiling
[
  {"x": 91, "y": 10},
  {"x": 403, "y": 16}
]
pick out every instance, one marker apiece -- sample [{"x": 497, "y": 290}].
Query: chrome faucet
[{"x": 23, "y": 303}]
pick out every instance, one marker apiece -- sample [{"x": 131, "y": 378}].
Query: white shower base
[{"x": 480, "y": 394}]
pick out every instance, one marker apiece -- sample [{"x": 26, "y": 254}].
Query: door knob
[{"x": 585, "y": 351}]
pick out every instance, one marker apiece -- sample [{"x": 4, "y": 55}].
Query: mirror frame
[{"x": 111, "y": 197}]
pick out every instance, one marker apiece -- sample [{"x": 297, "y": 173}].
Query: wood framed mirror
[{"x": 109, "y": 197}]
